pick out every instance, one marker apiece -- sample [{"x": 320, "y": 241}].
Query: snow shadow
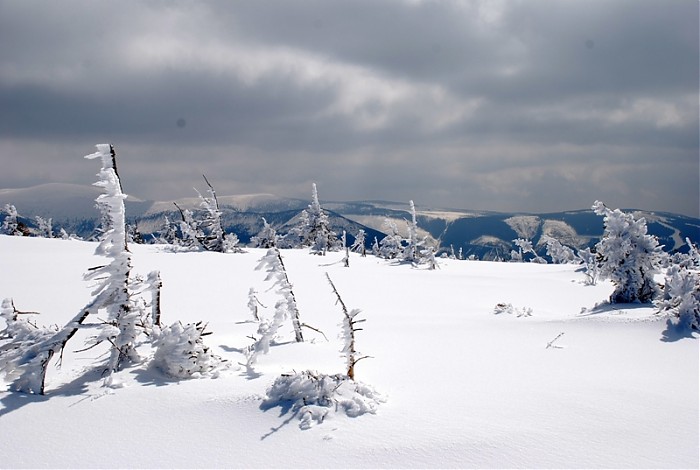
[
  {"x": 152, "y": 376},
  {"x": 676, "y": 332},
  {"x": 286, "y": 407},
  {"x": 79, "y": 386},
  {"x": 610, "y": 309}
]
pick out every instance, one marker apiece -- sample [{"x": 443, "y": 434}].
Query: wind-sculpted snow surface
[{"x": 616, "y": 388}]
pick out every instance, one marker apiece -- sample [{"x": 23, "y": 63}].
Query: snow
[{"x": 464, "y": 387}]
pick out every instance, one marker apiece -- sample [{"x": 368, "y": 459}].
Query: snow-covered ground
[{"x": 464, "y": 387}]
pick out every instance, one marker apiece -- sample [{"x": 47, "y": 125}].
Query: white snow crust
[{"x": 464, "y": 387}]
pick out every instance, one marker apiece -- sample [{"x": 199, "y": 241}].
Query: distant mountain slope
[{"x": 486, "y": 235}]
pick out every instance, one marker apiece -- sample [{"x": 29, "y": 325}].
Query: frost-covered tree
[
  {"x": 192, "y": 234},
  {"x": 413, "y": 245},
  {"x": 10, "y": 225},
  {"x": 312, "y": 396},
  {"x": 22, "y": 361},
  {"x": 591, "y": 268},
  {"x": 349, "y": 327},
  {"x": 376, "y": 250},
  {"x": 560, "y": 254},
  {"x": 214, "y": 237},
  {"x": 211, "y": 225},
  {"x": 45, "y": 227},
  {"x": 391, "y": 246},
  {"x": 254, "y": 303},
  {"x": 629, "y": 257},
  {"x": 313, "y": 228},
  {"x": 285, "y": 308},
  {"x": 359, "y": 245},
  {"x": 114, "y": 281},
  {"x": 524, "y": 247},
  {"x": 688, "y": 260},
  {"x": 681, "y": 297},
  {"x": 266, "y": 238},
  {"x": 287, "y": 305},
  {"x": 169, "y": 233},
  {"x": 30, "y": 354}
]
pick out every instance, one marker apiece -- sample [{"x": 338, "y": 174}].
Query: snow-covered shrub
[
  {"x": 313, "y": 396},
  {"x": 629, "y": 256},
  {"x": 681, "y": 297},
  {"x": 510, "y": 310},
  {"x": 181, "y": 352}
]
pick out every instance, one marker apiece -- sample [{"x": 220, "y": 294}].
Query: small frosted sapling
[{"x": 348, "y": 330}]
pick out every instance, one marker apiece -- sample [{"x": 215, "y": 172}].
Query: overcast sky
[{"x": 495, "y": 105}]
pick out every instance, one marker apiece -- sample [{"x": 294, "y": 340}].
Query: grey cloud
[{"x": 477, "y": 104}]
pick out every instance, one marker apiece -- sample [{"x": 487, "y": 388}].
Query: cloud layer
[{"x": 502, "y": 105}]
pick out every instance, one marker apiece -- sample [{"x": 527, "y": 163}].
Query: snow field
[{"x": 464, "y": 387}]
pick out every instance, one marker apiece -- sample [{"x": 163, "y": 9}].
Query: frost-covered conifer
[
  {"x": 629, "y": 256},
  {"x": 314, "y": 228},
  {"x": 114, "y": 279},
  {"x": 209, "y": 231},
  {"x": 287, "y": 305},
  {"x": 169, "y": 233},
  {"x": 192, "y": 234},
  {"x": 376, "y": 250},
  {"x": 10, "y": 225},
  {"x": 348, "y": 330},
  {"x": 391, "y": 245},
  {"x": 412, "y": 250},
  {"x": 267, "y": 238},
  {"x": 452, "y": 254},
  {"x": 45, "y": 227},
  {"x": 285, "y": 308},
  {"x": 681, "y": 297},
  {"x": 359, "y": 245}
]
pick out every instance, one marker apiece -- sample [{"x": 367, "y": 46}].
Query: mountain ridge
[{"x": 483, "y": 234}]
